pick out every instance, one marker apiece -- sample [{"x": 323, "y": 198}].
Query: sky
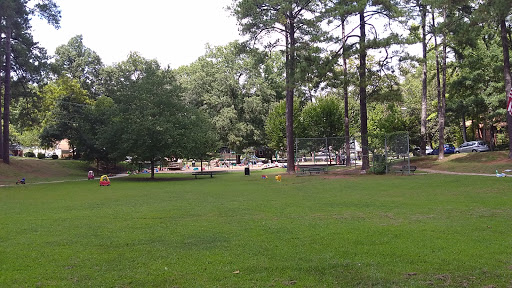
[{"x": 174, "y": 32}]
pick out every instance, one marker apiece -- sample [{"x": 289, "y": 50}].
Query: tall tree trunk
[
  {"x": 442, "y": 110},
  {"x": 1, "y": 115},
  {"x": 508, "y": 79},
  {"x": 362, "y": 92},
  {"x": 491, "y": 132},
  {"x": 423, "y": 139},
  {"x": 438, "y": 86},
  {"x": 345, "y": 98},
  {"x": 7, "y": 93},
  {"x": 464, "y": 128},
  {"x": 474, "y": 129},
  {"x": 484, "y": 129},
  {"x": 290, "y": 86},
  {"x": 1, "y": 129},
  {"x": 153, "y": 168}
]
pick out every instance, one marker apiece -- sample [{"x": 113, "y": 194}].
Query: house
[
  {"x": 15, "y": 150},
  {"x": 63, "y": 149}
]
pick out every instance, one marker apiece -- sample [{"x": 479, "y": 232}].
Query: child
[{"x": 22, "y": 181}]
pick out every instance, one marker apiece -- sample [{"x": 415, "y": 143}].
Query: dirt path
[
  {"x": 454, "y": 173},
  {"x": 232, "y": 170},
  {"x": 61, "y": 181}
]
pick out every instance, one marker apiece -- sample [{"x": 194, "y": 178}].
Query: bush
[
  {"x": 55, "y": 156},
  {"x": 40, "y": 155},
  {"x": 29, "y": 154},
  {"x": 379, "y": 164}
]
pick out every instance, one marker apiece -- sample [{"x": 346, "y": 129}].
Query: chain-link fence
[
  {"x": 386, "y": 152},
  {"x": 325, "y": 151},
  {"x": 397, "y": 152}
]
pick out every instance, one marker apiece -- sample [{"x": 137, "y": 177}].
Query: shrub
[
  {"x": 379, "y": 164},
  {"x": 29, "y": 154},
  {"x": 40, "y": 155}
]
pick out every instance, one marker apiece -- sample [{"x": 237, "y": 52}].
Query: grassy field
[
  {"x": 41, "y": 170},
  {"x": 242, "y": 231},
  {"x": 486, "y": 163}
]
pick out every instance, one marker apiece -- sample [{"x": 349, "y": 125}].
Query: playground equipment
[
  {"x": 90, "y": 175},
  {"x": 104, "y": 181},
  {"x": 500, "y": 174}
]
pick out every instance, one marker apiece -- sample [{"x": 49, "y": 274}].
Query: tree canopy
[{"x": 286, "y": 81}]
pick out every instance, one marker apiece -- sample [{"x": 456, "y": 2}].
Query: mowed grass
[
  {"x": 485, "y": 162},
  {"x": 242, "y": 231},
  {"x": 42, "y": 170}
]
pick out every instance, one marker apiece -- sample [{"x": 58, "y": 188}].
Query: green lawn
[
  {"x": 242, "y": 231},
  {"x": 42, "y": 170},
  {"x": 485, "y": 162}
]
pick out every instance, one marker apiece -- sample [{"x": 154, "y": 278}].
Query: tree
[
  {"x": 235, "y": 86},
  {"x": 506, "y": 72},
  {"x": 14, "y": 21},
  {"x": 323, "y": 117},
  {"x": 295, "y": 22},
  {"x": 76, "y": 61},
  {"x": 66, "y": 103},
  {"x": 369, "y": 37},
  {"x": 447, "y": 10},
  {"x": 341, "y": 11},
  {"x": 499, "y": 11},
  {"x": 423, "y": 23},
  {"x": 275, "y": 125},
  {"x": 93, "y": 125},
  {"x": 474, "y": 90},
  {"x": 151, "y": 120},
  {"x": 202, "y": 139}
]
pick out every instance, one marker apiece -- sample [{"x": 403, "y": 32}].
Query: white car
[{"x": 428, "y": 151}]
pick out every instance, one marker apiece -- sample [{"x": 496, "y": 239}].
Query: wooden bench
[
  {"x": 200, "y": 173},
  {"x": 310, "y": 170},
  {"x": 406, "y": 169}
]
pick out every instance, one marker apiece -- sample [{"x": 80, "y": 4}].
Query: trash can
[{"x": 247, "y": 171}]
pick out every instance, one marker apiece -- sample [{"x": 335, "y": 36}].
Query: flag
[{"x": 509, "y": 102}]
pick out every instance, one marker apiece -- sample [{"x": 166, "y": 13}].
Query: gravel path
[
  {"x": 455, "y": 173},
  {"x": 60, "y": 181}
]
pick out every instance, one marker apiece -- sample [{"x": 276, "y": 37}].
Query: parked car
[
  {"x": 472, "y": 146},
  {"x": 448, "y": 149},
  {"x": 416, "y": 151}
]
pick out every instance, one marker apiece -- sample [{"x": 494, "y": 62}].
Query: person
[{"x": 22, "y": 181}]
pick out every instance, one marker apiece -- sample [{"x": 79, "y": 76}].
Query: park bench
[
  {"x": 310, "y": 170},
  {"x": 406, "y": 169},
  {"x": 201, "y": 173}
]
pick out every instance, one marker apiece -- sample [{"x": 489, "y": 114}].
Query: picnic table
[
  {"x": 202, "y": 173},
  {"x": 406, "y": 169}
]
